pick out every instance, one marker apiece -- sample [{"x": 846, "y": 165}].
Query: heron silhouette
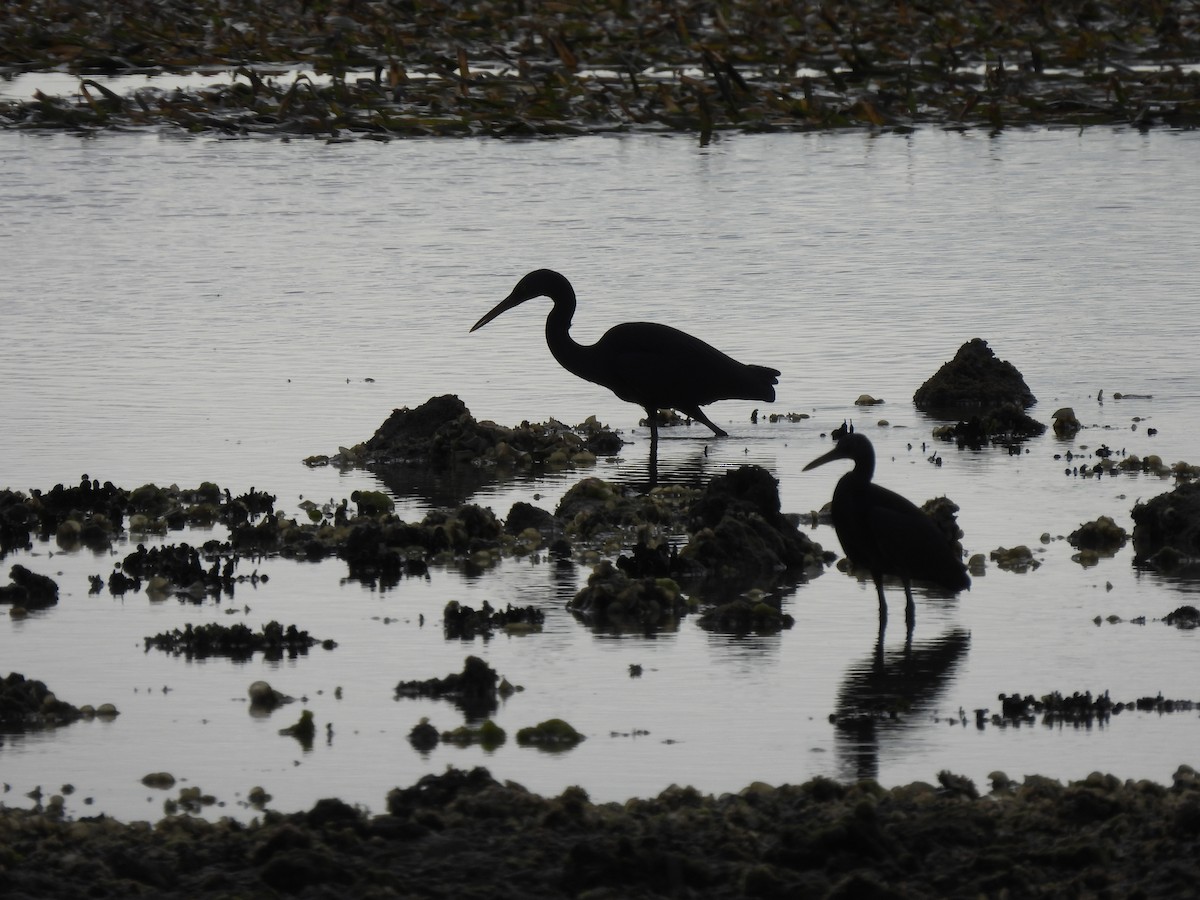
[
  {"x": 655, "y": 366},
  {"x": 885, "y": 532}
]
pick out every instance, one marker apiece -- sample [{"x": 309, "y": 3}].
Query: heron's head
[
  {"x": 538, "y": 283},
  {"x": 848, "y": 445}
]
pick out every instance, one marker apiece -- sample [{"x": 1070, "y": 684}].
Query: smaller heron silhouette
[
  {"x": 884, "y": 532},
  {"x": 655, "y": 366}
]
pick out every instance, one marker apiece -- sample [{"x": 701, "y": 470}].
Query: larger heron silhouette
[
  {"x": 886, "y": 533},
  {"x": 655, "y": 366}
]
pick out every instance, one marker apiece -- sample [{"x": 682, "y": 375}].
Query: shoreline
[{"x": 464, "y": 834}]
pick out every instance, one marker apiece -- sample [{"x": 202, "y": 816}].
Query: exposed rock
[
  {"x": 304, "y": 729},
  {"x": 1065, "y": 422},
  {"x": 1102, "y": 535},
  {"x": 1186, "y": 617},
  {"x": 756, "y": 612},
  {"x": 1079, "y": 707},
  {"x": 424, "y": 736},
  {"x": 488, "y": 735},
  {"x": 1006, "y": 425},
  {"x": 975, "y": 377},
  {"x": 552, "y": 734},
  {"x": 26, "y": 704},
  {"x": 1166, "y": 529},
  {"x": 29, "y": 590},
  {"x": 265, "y": 698},
  {"x": 738, "y": 528},
  {"x": 442, "y": 433},
  {"x": 612, "y": 598},
  {"x": 465, "y": 623},
  {"x": 1014, "y": 559},
  {"x": 473, "y": 689},
  {"x": 236, "y": 641},
  {"x": 524, "y": 515}
]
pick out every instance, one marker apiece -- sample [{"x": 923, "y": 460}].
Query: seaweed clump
[
  {"x": 473, "y": 690},
  {"x": 754, "y": 612},
  {"x": 823, "y": 838},
  {"x": 29, "y": 590},
  {"x": 1079, "y": 708},
  {"x": 976, "y": 378},
  {"x": 237, "y": 641},
  {"x": 1166, "y": 529},
  {"x": 27, "y": 704},
  {"x": 737, "y": 528},
  {"x": 465, "y": 622},
  {"x": 612, "y": 598},
  {"x": 441, "y": 433},
  {"x": 1100, "y": 537}
]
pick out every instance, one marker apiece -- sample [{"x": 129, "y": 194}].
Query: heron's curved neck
[
  {"x": 558, "y": 333},
  {"x": 864, "y": 463}
]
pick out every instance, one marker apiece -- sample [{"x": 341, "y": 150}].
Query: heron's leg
[
  {"x": 698, "y": 414},
  {"x": 653, "y": 417},
  {"x": 882, "y": 600},
  {"x": 910, "y": 608}
]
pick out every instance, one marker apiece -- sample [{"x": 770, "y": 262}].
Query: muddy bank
[
  {"x": 515, "y": 69},
  {"x": 463, "y": 834}
]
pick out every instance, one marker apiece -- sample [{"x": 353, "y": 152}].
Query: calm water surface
[{"x": 180, "y": 310}]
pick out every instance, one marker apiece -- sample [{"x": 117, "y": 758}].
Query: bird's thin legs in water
[
  {"x": 699, "y": 416},
  {"x": 910, "y": 612},
  {"x": 653, "y": 416}
]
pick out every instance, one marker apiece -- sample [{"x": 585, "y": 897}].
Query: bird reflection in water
[
  {"x": 655, "y": 366},
  {"x": 886, "y": 533},
  {"x": 882, "y": 697}
]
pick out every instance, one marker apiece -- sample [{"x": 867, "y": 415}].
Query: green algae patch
[{"x": 552, "y": 734}]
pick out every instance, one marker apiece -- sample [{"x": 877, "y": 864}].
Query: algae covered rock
[
  {"x": 1102, "y": 535},
  {"x": 552, "y": 734},
  {"x": 28, "y": 704},
  {"x": 441, "y": 434},
  {"x": 474, "y": 689},
  {"x": 738, "y": 528},
  {"x": 1166, "y": 529},
  {"x": 29, "y": 590},
  {"x": 613, "y": 598},
  {"x": 975, "y": 377}
]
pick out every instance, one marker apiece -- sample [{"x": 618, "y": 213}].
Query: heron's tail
[{"x": 762, "y": 381}]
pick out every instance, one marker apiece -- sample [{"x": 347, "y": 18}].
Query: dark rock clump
[
  {"x": 238, "y": 641},
  {"x": 441, "y": 433},
  {"x": 745, "y": 614},
  {"x": 1102, "y": 535},
  {"x": 29, "y": 590},
  {"x": 524, "y": 515},
  {"x": 463, "y": 833},
  {"x": 1006, "y": 425},
  {"x": 465, "y": 623},
  {"x": 1166, "y": 529},
  {"x": 1079, "y": 707},
  {"x": 29, "y": 704},
  {"x": 737, "y": 528},
  {"x": 1186, "y": 617},
  {"x": 474, "y": 690},
  {"x": 428, "y": 432},
  {"x": 189, "y": 571},
  {"x": 614, "y": 599},
  {"x": 975, "y": 377},
  {"x": 593, "y": 507}
]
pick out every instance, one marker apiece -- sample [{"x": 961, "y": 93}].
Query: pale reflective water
[{"x": 180, "y": 310}]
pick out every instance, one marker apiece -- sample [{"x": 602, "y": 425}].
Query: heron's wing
[
  {"x": 910, "y": 545},
  {"x": 659, "y": 366}
]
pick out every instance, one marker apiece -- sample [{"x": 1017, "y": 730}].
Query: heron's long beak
[
  {"x": 836, "y": 453},
  {"x": 503, "y": 306}
]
